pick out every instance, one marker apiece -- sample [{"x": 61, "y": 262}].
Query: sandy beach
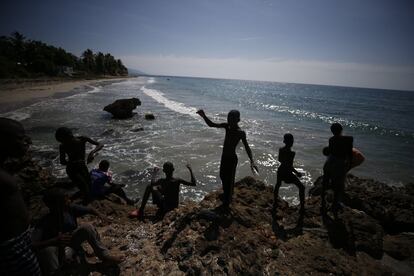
[{"x": 18, "y": 94}]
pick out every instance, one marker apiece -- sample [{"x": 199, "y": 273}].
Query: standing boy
[
  {"x": 287, "y": 173},
  {"x": 336, "y": 166},
  {"x": 229, "y": 159},
  {"x": 74, "y": 148}
]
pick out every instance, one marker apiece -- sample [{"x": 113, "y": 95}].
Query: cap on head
[
  {"x": 336, "y": 128},
  {"x": 13, "y": 140},
  {"x": 63, "y": 133},
  {"x": 168, "y": 167},
  {"x": 288, "y": 139},
  {"x": 104, "y": 165},
  {"x": 233, "y": 117}
]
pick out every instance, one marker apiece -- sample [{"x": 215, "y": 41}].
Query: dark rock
[
  {"x": 137, "y": 129},
  {"x": 122, "y": 109},
  {"x": 355, "y": 231},
  {"x": 400, "y": 247},
  {"x": 149, "y": 116},
  {"x": 391, "y": 206}
]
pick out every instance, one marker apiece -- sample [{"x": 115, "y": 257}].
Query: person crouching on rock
[
  {"x": 101, "y": 176},
  {"x": 74, "y": 148},
  {"x": 165, "y": 191},
  {"x": 58, "y": 235},
  {"x": 287, "y": 173}
]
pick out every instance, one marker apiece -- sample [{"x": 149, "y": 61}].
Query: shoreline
[{"x": 19, "y": 94}]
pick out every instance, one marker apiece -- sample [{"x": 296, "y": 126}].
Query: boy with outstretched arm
[
  {"x": 165, "y": 192},
  {"x": 229, "y": 159}
]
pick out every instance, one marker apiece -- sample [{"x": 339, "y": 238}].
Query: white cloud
[{"x": 297, "y": 71}]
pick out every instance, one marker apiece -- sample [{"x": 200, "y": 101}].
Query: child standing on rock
[
  {"x": 287, "y": 173},
  {"x": 229, "y": 159},
  {"x": 74, "y": 148}
]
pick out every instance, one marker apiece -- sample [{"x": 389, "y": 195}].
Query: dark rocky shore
[{"x": 373, "y": 236}]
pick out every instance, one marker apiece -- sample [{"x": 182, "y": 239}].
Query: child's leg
[
  {"x": 301, "y": 188},
  {"x": 276, "y": 190},
  {"x": 227, "y": 174},
  {"x": 145, "y": 198},
  {"x": 80, "y": 178}
]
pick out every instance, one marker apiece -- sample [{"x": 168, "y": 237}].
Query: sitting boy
[
  {"x": 59, "y": 229},
  {"x": 101, "y": 176},
  {"x": 165, "y": 191}
]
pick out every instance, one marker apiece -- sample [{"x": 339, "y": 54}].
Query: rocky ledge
[{"x": 373, "y": 236}]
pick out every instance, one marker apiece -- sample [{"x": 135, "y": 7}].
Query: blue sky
[{"x": 353, "y": 43}]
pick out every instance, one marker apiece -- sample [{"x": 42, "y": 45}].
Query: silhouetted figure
[
  {"x": 101, "y": 176},
  {"x": 287, "y": 173},
  {"x": 58, "y": 237},
  {"x": 336, "y": 166},
  {"x": 165, "y": 192},
  {"x": 228, "y": 164},
  {"x": 16, "y": 255},
  {"x": 74, "y": 148}
]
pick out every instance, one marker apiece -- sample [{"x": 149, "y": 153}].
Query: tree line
[{"x": 24, "y": 58}]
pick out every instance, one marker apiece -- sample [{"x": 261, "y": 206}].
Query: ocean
[{"x": 381, "y": 122}]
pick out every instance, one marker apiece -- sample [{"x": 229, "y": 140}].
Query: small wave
[
  {"x": 173, "y": 105},
  {"x": 333, "y": 119},
  {"x": 16, "y": 115},
  {"x": 151, "y": 80},
  {"x": 95, "y": 89}
]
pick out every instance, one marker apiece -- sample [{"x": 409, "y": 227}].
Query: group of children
[
  {"x": 165, "y": 192},
  {"x": 59, "y": 229}
]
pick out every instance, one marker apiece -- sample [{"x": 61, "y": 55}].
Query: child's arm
[
  {"x": 208, "y": 121},
  {"x": 249, "y": 152},
  {"x": 62, "y": 156},
  {"x": 293, "y": 169},
  {"x": 98, "y": 147},
  {"x": 193, "y": 180}
]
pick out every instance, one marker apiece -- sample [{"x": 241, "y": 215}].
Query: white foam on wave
[
  {"x": 151, "y": 80},
  {"x": 16, "y": 115},
  {"x": 173, "y": 105}
]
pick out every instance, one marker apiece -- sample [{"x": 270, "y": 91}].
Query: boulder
[
  {"x": 391, "y": 206},
  {"x": 122, "y": 109},
  {"x": 149, "y": 116}
]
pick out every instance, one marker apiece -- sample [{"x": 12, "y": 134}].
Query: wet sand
[{"x": 18, "y": 94}]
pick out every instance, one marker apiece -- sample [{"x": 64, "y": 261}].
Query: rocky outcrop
[
  {"x": 391, "y": 206},
  {"x": 201, "y": 239},
  {"x": 123, "y": 108}
]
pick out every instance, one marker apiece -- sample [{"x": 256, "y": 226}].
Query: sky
[{"x": 361, "y": 43}]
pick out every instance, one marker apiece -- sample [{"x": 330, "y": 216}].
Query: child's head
[
  {"x": 63, "y": 134},
  {"x": 288, "y": 139},
  {"x": 336, "y": 129},
  {"x": 56, "y": 200},
  {"x": 233, "y": 117},
  {"x": 13, "y": 140},
  {"x": 104, "y": 165},
  {"x": 168, "y": 168}
]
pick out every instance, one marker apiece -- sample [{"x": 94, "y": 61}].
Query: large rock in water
[{"x": 122, "y": 109}]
